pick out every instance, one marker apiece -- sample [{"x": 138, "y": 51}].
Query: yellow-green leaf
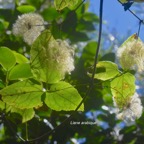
[
  {"x": 110, "y": 70},
  {"x": 7, "y": 58},
  {"x": 26, "y": 8},
  {"x": 20, "y": 58},
  {"x": 61, "y": 4},
  {"x": 2, "y": 105},
  {"x": 123, "y": 88},
  {"x": 27, "y": 114},
  {"x": 63, "y": 96},
  {"x": 42, "y": 65},
  {"x": 22, "y": 95},
  {"x": 20, "y": 71}
]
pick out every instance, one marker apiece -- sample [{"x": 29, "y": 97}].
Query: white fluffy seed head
[
  {"x": 132, "y": 53},
  {"x": 28, "y": 26},
  {"x": 62, "y": 56},
  {"x": 133, "y": 110}
]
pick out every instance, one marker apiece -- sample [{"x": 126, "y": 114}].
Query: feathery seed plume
[
  {"x": 61, "y": 54},
  {"x": 28, "y": 26},
  {"x": 131, "y": 53},
  {"x": 132, "y": 110}
]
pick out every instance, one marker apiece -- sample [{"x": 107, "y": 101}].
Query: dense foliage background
[{"x": 36, "y": 123}]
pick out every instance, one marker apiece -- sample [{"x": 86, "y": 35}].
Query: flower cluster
[
  {"x": 132, "y": 110},
  {"x": 131, "y": 53},
  {"x": 61, "y": 55},
  {"x": 28, "y": 26}
]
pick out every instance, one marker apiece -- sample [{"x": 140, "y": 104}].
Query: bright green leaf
[
  {"x": 110, "y": 70},
  {"x": 20, "y": 71},
  {"x": 2, "y": 105},
  {"x": 27, "y": 114},
  {"x": 42, "y": 67},
  {"x": 3, "y": 25},
  {"x": 61, "y": 4},
  {"x": 63, "y": 96},
  {"x": 22, "y": 95},
  {"x": 122, "y": 88},
  {"x": 20, "y": 58},
  {"x": 26, "y": 8},
  {"x": 7, "y": 58}
]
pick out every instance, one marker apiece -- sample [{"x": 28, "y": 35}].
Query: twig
[
  {"x": 140, "y": 20},
  {"x": 99, "y": 40},
  {"x": 11, "y": 128}
]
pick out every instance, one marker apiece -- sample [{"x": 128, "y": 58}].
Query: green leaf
[
  {"x": 2, "y": 105},
  {"x": 27, "y": 114},
  {"x": 2, "y": 85},
  {"x": 90, "y": 17},
  {"x": 108, "y": 57},
  {"x": 61, "y": 4},
  {"x": 90, "y": 48},
  {"x": 123, "y": 88},
  {"x": 110, "y": 70},
  {"x": 22, "y": 95},
  {"x": 3, "y": 25},
  {"x": 7, "y": 58},
  {"x": 85, "y": 26},
  {"x": 106, "y": 93},
  {"x": 63, "y": 96},
  {"x": 36, "y": 3},
  {"x": 43, "y": 68},
  {"x": 89, "y": 52},
  {"x": 26, "y": 8},
  {"x": 20, "y": 71},
  {"x": 50, "y": 14},
  {"x": 20, "y": 58}
]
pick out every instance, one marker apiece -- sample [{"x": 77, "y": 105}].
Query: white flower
[
  {"x": 132, "y": 53},
  {"x": 28, "y": 26},
  {"x": 133, "y": 110},
  {"x": 61, "y": 55}
]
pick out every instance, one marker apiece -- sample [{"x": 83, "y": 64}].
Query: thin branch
[
  {"x": 11, "y": 128},
  {"x": 99, "y": 41},
  {"x": 131, "y": 12},
  {"x": 139, "y": 27},
  {"x": 79, "y": 5},
  {"x": 140, "y": 20},
  {"x": 134, "y": 15},
  {"x": 26, "y": 131},
  {"x": 96, "y": 55}
]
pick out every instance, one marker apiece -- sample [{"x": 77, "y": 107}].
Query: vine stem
[
  {"x": 26, "y": 131},
  {"x": 7, "y": 81},
  {"x": 96, "y": 55},
  {"x": 99, "y": 40},
  {"x": 11, "y": 128}
]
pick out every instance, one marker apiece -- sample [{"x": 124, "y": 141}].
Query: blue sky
[{"x": 118, "y": 19}]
